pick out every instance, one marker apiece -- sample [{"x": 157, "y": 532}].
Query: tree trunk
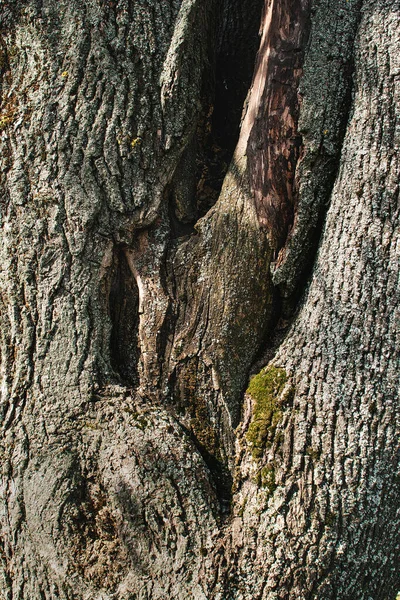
[{"x": 157, "y": 250}]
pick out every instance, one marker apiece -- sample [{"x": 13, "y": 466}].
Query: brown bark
[{"x": 270, "y": 128}]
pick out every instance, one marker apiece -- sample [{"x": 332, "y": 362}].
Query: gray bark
[{"x": 137, "y": 298}]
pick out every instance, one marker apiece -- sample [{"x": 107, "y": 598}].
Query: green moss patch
[
  {"x": 265, "y": 389},
  {"x": 265, "y": 478}
]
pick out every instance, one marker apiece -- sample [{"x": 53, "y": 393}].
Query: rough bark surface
[{"x": 137, "y": 296}]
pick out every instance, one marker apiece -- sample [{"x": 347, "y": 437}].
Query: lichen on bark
[{"x": 129, "y": 325}]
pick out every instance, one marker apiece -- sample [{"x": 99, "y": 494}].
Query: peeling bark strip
[
  {"x": 270, "y": 128},
  {"x": 326, "y": 96}
]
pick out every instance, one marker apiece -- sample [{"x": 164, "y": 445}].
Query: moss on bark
[{"x": 265, "y": 389}]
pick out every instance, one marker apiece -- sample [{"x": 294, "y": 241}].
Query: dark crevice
[
  {"x": 291, "y": 299},
  {"x": 236, "y": 54},
  {"x": 238, "y": 42},
  {"x": 124, "y": 314},
  {"x": 200, "y": 174},
  {"x": 221, "y": 477}
]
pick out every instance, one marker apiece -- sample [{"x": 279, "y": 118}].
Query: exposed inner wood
[{"x": 269, "y": 135}]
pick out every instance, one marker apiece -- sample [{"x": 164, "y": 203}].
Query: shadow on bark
[{"x": 124, "y": 314}]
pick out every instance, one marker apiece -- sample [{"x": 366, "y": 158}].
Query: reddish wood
[{"x": 274, "y": 145}]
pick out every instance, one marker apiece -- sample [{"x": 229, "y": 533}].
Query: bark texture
[{"x": 137, "y": 295}]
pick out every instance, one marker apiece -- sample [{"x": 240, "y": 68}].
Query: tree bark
[{"x": 156, "y": 251}]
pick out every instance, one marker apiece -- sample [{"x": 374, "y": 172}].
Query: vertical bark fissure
[
  {"x": 324, "y": 98},
  {"x": 124, "y": 314},
  {"x": 199, "y": 175}
]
